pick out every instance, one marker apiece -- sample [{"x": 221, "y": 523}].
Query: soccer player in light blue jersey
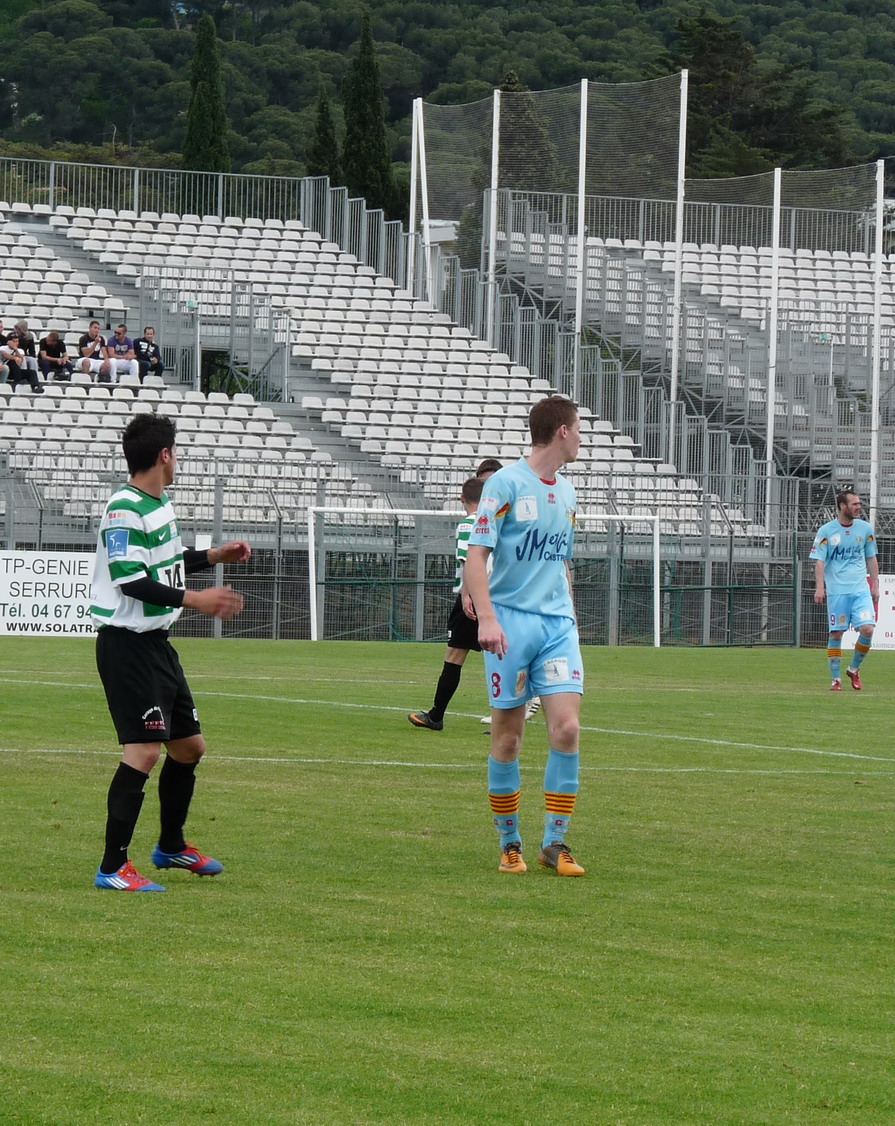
[
  {"x": 527, "y": 628},
  {"x": 846, "y": 573}
]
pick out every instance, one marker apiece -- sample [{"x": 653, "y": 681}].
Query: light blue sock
[
  {"x": 560, "y": 790},
  {"x": 504, "y": 784},
  {"x": 834, "y": 654}
]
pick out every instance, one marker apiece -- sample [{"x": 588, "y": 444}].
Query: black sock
[
  {"x": 123, "y": 808},
  {"x": 445, "y": 689},
  {"x": 176, "y": 783}
]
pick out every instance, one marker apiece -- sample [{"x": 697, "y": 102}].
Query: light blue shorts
[
  {"x": 846, "y": 610},
  {"x": 544, "y": 658}
]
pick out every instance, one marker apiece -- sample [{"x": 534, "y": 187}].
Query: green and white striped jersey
[
  {"x": 464, "y": 528},
  {"x": 138, "y": 538}
]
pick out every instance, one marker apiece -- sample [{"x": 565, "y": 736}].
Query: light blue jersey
[
  {"x": 530, "y": 526},
  {"x": 844, "y": 552}
]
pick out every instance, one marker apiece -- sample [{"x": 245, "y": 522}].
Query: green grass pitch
[{"x": 728, "y": 959}]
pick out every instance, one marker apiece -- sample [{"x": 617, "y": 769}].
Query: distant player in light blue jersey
[
  {"x": 846, "y": 573},
  {"x": 527, "y": 628}
]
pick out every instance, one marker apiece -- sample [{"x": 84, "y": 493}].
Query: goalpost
[{"x": 356, "y": 528}]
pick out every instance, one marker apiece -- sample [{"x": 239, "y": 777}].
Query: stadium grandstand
[{"x": 319, "y": 358}]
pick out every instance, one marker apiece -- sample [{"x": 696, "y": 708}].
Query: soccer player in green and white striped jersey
[
  {"x": 139, "y": 591},
  {"x": 462, "y": 630}
]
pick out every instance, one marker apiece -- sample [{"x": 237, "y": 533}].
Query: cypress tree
[
  {"x": 526, "y": 162},
  {"x": 322, "y": 158},
  {"x": 205, "y": 143},
  {"x": 366, "y": 161}
]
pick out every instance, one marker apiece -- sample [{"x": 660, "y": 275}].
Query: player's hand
[
  {"x": 216, "y": 602},
  {"x": 236, "y": 551},
  {"x": 468, "y": 608},
  {"x": 819, "y": 595},
  {"x": 492, "y": 638}
]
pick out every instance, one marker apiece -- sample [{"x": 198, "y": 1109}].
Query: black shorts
[
  {"x": 463, "y": 632},
  {"x": 149, "y": 698}
]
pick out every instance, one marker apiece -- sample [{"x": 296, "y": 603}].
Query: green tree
[
  {"x": 322, "y": 157},
  {"x": 527, "y": 162},
  {"x": 205, "y": 143},
  {"x": 366, "y": 160},
  {"x": 743, "y": 118}
]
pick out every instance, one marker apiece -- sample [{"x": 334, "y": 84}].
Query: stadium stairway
[
  {"x": 121, "y": 291},
  {"x": 401, "y": 355}
]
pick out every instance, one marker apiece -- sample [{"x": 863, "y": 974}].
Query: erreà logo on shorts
[{"x": 153, "y": 720}]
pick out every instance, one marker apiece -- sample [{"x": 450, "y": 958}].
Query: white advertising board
[
  {"x": 45, "y": 593},
  {"x": 884, "y": 634}
]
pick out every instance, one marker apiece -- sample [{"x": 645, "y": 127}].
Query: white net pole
[
  {"x": 416, "y": 117},
  {"x": 312, "y": 573},
  {"x": 424, "y": 195},
  {"x": 580, "y": 279},
  {"x": 657, "y": 585},
  {"x": 877, "y": 341},
  {"x": 773, "y": 317},
  {"x": 492, "y": 219},
  {"x": 674, "y": 375}
]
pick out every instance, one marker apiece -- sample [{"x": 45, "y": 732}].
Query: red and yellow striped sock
[{"x": 505, "y": 811}]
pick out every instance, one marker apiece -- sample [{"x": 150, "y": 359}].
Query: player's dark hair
[
  {"x": 144, "y": 438},
  {"x": 489, "y": 465},
  {"x": 842, "y": 497},
  {"x": 471, "y": 492},
  {"x": 548, "y": 415}
]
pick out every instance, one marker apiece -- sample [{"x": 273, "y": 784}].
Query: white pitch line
[
  {"x": 292, "y": 760},
  {"x": 656, "y": 735}
]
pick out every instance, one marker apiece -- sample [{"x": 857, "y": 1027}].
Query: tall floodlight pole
[
  {"x": 678, "y": 265},
  {"x": 492, "y": 221},
  {"x": 410, "y": 282},
  {"x": 424, "y": 195},
  {"x": 773, "y": 316},
  {"x": 580, "y": 271},
  {"x": 876, "y": 350}
]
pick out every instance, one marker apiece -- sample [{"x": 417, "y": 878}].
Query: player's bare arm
[
  {"x": 236, "y": 551},
  {"x": 873, "y": 572},
  {"x": 491, "y": 637},
  {"x": 819, "y": 585},
  {"x": 215, "y": 602},
  {"x": 571, "y": 587}
]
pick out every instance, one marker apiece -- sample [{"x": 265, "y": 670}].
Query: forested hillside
[{"x": 808, "y": 83}]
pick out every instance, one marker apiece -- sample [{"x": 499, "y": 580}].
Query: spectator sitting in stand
[
  {"x": 15, "y": 360},
  {"x": 4, "y": 370},
  {"x": 120, "y": 352},
  {"x": 53, "y": 358},
  {"x": 149, "y": 356},
  {"x": 28, "y": 345},
  {"x": 92, "y": 348}
]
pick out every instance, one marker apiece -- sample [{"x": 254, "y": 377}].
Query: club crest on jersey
[
  {"x": 116, "y": 543},
  {"x": 526, "y": 508},
  {"x": 836, "y": 540}
]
